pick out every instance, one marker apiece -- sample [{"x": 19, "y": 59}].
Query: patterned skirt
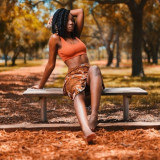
[{"x": 76, "y": 81}]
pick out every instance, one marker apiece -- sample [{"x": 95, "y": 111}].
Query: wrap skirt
[{"x": 76, "y": 81}]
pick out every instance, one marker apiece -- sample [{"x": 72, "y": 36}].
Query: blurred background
[{"x": 114, "y": 31}]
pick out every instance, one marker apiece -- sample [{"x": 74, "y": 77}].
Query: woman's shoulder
[{"x": 54, "y": 39}]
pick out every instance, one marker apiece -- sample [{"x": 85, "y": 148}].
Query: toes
[{"x": 89, "y": 139}]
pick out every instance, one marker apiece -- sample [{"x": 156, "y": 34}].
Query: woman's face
[{"x": 70, "y": 23}]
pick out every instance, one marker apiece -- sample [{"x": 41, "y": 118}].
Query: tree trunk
[
  {"x": 25, "y": 61},
  {"x": 155, "y": 57},
  {"x": 98, "y": 54},
  {"x": 137, "y": 66},
  {"x": 5, "y": 54},
  {"x": 5, "y": 57},
  {"x": 105, "y": 43},
  {"x": 117, "y": 50},
  {"x": 155, "y": 53},
  {"x": 70, "y": 5},
  {"x": 109, "y": 50},
  {"x": 16, "y": 53},
  {"x": 148, "y": 56},
  {"x": 13, "y": 61},
  {"x": 147, "y": 50},
  {"x": 110, "y": 58}
]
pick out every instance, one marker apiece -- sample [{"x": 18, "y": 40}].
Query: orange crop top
[{"x": 69, "y": 51}]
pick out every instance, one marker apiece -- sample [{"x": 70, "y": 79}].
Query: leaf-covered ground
[{"x": 59, "y": 145}]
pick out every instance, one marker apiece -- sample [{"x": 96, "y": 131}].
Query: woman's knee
[
  {"x": 80, "y": 96},
  {"x": 95, "y": 70}
]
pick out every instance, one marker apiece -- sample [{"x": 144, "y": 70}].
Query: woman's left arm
[{"x": 79, "y": 13}]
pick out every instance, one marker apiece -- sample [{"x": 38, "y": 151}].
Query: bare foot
[
  {"x": 93, "y": 121},
  {"x": 89, "y": 138}
]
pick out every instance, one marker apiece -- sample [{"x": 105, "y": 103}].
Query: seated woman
[{"x": 81, "y": 77}]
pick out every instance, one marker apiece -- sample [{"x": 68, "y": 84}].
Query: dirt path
[{"x": 26, "y": 76}]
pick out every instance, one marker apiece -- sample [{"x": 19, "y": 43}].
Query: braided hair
[{"x": 59, "y": 23}]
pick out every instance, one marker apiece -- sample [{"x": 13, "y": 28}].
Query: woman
[{"x": 65, "y": 41}]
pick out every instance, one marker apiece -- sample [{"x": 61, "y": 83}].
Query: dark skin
[{"x": 94, "y": 79}]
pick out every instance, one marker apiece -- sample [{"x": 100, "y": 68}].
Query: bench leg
[
  {"x": 43, "y": 104},
  {"x": 126, "y": 107}
]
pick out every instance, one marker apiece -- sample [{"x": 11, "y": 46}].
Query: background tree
[
  {"x": 151, "y": 30},
  {"x": 136, "y": 8},
  {"x": 23, "y": 30},
  {"x": 6, "y": 18},
  {"x": 112, "y": 22}
]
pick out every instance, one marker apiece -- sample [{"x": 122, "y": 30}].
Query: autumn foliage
[{"x": 22, "y": 30}]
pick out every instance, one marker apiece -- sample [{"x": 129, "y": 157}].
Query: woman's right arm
[{"x": 53, "y": 41}]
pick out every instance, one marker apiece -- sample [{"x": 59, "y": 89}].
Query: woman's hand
[
  {"x": 49, "y": 24},
  {"x": 35, "y": 87}
]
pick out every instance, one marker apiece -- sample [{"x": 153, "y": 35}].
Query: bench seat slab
[{"x": 48, "y": 92}]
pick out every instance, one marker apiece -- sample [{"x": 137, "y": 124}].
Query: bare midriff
[{"x": 77, "y": 61}]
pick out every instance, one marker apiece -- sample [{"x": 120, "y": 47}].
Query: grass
[
  {"x": 19, "y": 64},
  {"x": 121, "y": 77}
]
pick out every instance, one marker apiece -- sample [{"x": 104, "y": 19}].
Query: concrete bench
[{"x": 43, "y": 94}]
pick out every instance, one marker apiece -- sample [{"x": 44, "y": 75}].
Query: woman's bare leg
[
  {"x": 95, "y": 82},
  {"x": 80, "y": 109}
]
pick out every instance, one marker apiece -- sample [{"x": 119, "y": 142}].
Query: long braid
[
  {"x": 59, "y": 23},
  {"x": 54, "y": 21},
  {"x": 62, "y": 22}
]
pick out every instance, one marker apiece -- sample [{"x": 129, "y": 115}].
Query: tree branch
[
  {"x": 36, "y": 4},
  {"x": 132, "y": 6},
  {"x": 111, "y": 1},
  {"x": 62, "y": 4},
  {"x": 143, "y": 2},
  {"x": 90, "y": 36},
  {"x": 98, "y": 25},
  {"x": 43, "y": 1}
]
